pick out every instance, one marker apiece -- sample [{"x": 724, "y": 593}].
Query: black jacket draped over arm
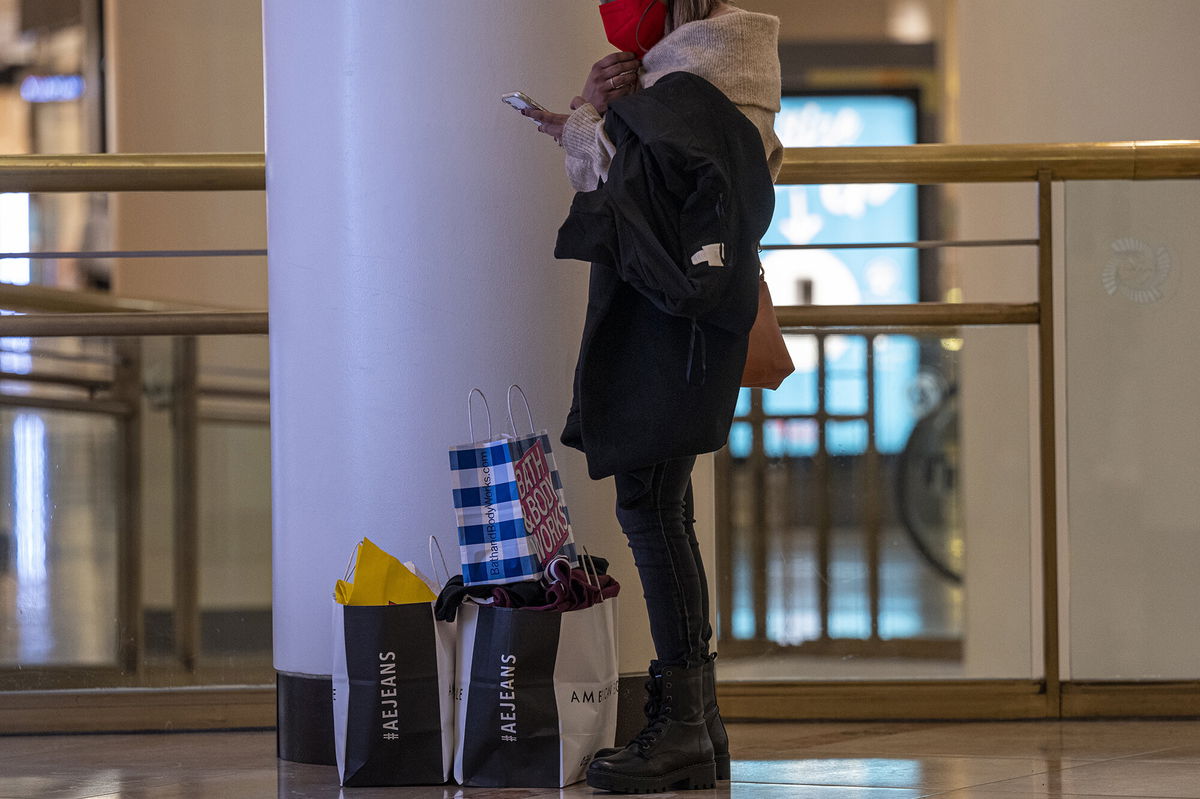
[{"x": 673, "y": 240}]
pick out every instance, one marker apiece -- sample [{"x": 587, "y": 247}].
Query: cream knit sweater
[{"x": 737, "y": 52}]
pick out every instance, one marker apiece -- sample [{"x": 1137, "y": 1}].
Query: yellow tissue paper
[{"x": 380, "y": 579}]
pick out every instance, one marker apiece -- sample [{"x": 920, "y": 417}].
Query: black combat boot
[
  {"x": 712, "y": 718},
  {"x": 650, "y": 708},
  {"x": 673, "y": 751},
  {"x": 712, "y": 714}
]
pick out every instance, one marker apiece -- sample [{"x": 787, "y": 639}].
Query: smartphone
[{"x": 521, "y": 101}]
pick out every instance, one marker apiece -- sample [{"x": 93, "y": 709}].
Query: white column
[{"x": 412, "y": 219}]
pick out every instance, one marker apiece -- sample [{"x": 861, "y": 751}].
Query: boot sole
[
  {"x": 722, "y": 761},
  {"x": 692, "y": 778}
]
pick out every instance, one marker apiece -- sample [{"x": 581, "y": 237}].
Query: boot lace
[
  {"x": 657, "y": 715},
  {"x": 650, "y": 733},
  {"x": 653, "y": 697}
]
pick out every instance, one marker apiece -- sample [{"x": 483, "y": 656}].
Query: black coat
[{"x": 664, "y": 340}]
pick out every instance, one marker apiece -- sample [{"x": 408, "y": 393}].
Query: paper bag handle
[
  {"x": 433, "y": 563},
  {"x": 528, "y": 413},
  {"x": 585, "y": 561},
  {"x": 471, "y": 419},
  {"x": 352, "y": 564}
]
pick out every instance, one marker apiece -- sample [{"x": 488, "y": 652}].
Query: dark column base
[
  {"x": 304, "y": 719},
  {"x": 304, "y": 716}
]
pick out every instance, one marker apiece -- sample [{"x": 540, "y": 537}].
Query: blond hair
[{"x": 681, "y": 12}]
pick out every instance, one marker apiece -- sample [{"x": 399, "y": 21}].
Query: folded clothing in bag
[{"x": 568, "y": 589}]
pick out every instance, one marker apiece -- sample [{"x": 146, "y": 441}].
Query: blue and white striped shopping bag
[
  {"x": 493, "y": 544},
  {"x": 508, "y": 499}
]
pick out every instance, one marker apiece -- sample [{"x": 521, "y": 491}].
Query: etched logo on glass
[{"x": 1137, "y": 270}]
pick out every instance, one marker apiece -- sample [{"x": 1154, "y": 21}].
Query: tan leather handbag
[{"x": 767, "y": 359}]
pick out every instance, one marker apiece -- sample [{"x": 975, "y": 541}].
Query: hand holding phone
[
  {"x": 521, "y": 102},
  {"x": 546, "y": 120}
]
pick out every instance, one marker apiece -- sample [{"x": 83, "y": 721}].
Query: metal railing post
[
  {"x": 823, "y": 502},
  {"x": 185, "y": 423},
  {"x": 1048, "y": 443},
  {"x": 872, "y": 501},
  {"x": 722, "y": 610},
  {"x": 760, "y": 525},
  {"x": 127, "y": 388}
]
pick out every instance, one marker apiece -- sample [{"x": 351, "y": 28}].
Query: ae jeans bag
[{"x": 536, "y": 694}]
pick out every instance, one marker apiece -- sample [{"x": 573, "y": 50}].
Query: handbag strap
[
  {"x": 471, "y": 419},
  {"x": 528, "y": 412}
]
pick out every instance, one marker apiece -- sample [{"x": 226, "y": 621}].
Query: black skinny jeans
[{"x": 656, "y": 511}]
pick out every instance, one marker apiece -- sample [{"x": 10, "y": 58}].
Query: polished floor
[{"x": 1007, "y": 760}]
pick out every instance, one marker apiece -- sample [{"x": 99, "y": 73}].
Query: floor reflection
[{"x": 1040, "y": 760}]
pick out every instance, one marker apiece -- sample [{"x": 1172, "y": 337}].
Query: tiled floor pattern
[{"x": 1013, "y": 760}]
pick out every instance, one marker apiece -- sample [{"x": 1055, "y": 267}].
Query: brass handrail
[
  {"x": 133, "y": 172},
  {"x": 52, "y": 300},
  {"x": 188, "y": 323},
  {"x": 920, "y": 163},
  {"x": 791, "y": 317},
  {"x": 919, "y": 314},
  {"x": 988, "y": 163}
]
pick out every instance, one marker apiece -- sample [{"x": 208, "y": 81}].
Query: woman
[{"x": 684, "y": 165}]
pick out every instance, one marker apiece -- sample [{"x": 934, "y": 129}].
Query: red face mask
[{"x": 634, "y": 26}]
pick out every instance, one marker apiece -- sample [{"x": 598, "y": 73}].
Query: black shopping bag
[
  {"x": 393, "y": 696},
  {"x": 537, "y": 694}
]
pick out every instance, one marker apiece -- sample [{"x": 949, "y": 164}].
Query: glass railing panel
[
  {"x": 890, "y": 539},
  {"x": 203, "y": 620},
  {"x": 978, "y": 244},
  {"x": 157, "y": 506},
  {"x": 1133, "y": 433},
  {"x": 229, "y": 628},
  {"x": 58, "y": 538},
  {"x": 986, "y": 212},
  {"x": 235, "y": 544}
]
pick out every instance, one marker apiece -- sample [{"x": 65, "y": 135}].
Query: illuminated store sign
[
  {"x": 52, "y": 88},
  {"x": 834, "y": 214}
]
